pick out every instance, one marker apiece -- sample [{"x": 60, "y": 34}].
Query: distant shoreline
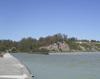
[
  {"x": 61, "y": 53},
  {"x": 73, "y": 53}
]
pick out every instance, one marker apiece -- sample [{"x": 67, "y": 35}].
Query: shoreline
[
  {"x": 61, "y": 53},
  {"x": 18, "y": 69},
  {"x": 73, "y": 53}
]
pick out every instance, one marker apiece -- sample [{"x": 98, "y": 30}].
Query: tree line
[{"x": 32, "y": 44}]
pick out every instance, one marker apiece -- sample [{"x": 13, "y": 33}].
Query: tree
[{"x": 72, "y": 39}]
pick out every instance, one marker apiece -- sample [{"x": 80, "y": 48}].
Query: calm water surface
[{"x": 85, "y": 66}]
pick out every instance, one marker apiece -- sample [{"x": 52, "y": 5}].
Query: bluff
[{"x": 76, "y": 46}]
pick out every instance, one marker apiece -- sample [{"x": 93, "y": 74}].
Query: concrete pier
[{"x": 12, "y": 68}]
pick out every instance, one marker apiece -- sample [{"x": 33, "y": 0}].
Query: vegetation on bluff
[{"x": 58, "y": 42}]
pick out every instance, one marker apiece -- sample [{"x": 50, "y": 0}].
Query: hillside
[
  {"x": 54, "y": 43},
  {"x": 73, "y": 47}
]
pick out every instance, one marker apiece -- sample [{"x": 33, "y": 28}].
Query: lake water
[{"x": 84, "y": 66}]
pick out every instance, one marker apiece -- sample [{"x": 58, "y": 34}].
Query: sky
[{"x": 37, "y": 18}]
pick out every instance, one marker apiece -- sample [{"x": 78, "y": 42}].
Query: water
[{"x": 85, "y": 66}]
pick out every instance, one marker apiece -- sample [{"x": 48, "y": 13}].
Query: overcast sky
[{"x": 35, "y": 18}]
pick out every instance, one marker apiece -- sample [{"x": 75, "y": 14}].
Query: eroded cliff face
[{"x": 59, "y": 46}]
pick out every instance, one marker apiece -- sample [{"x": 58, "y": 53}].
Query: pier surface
[{"x": 11, "y": 68}]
